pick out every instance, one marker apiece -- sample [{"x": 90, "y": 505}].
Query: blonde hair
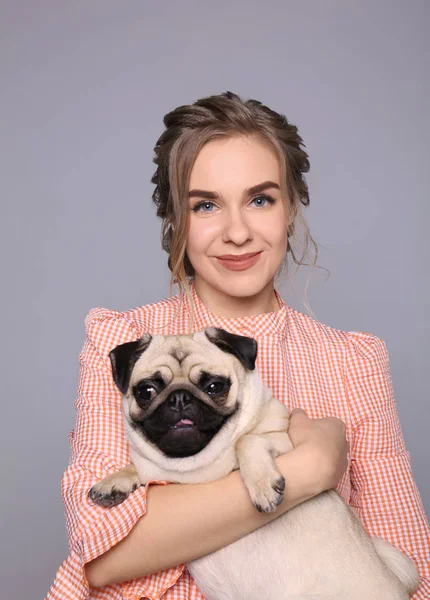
[{"x": 188, "y": 129}]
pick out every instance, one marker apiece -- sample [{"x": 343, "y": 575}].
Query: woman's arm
[
  {"x": 384, "y": 494},
  {"x": 185, "y": 522}
]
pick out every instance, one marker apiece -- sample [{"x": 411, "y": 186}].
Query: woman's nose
[{"x": 236, "y": 228}]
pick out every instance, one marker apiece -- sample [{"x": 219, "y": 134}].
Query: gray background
[{"x": 84, "y": 87}]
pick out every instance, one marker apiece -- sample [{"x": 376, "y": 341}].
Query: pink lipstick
[{"x": 238, "y": 262}]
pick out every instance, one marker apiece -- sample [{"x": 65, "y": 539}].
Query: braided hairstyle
[{"x": 187, "y": 129}]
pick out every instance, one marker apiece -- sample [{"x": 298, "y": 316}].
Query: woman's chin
[
  {"x": 234, "y": 284},
  {"x": 245, "y": 286}
]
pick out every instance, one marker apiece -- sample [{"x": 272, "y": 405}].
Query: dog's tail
[{"x": 400, "y": 564}]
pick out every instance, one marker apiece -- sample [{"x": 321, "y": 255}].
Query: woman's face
[{"x": 238, "y": 221}]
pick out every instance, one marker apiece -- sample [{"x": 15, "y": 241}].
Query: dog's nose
[{"x": 179, "y": 400}]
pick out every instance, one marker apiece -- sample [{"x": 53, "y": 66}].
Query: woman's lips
[{"x": 240, "y": 262}]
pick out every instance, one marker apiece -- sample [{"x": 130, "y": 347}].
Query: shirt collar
[{"x": 251, "y": 326}]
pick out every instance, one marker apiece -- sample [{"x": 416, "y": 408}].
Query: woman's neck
[{"x": 226, "y": 306}]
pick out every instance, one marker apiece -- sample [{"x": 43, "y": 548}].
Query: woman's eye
[
  {"x": 204, "y": 207},
  {"x": 261, "y": 201}
]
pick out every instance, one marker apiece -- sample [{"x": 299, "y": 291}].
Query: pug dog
[{"x": 195, "y": 409}]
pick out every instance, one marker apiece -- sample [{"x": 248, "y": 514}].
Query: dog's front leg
[
  {"x": 255, "y": 454},
  {"x": 115, "y": 488}
]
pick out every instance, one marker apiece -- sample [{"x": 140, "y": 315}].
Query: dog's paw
[
  {"x": 267, "y": 493},
  {"x": 113, "y": 489}
]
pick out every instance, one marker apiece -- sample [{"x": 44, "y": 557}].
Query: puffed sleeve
[
  {"x": 384, "y": 494},
  {"x": 98, "y": 448}
]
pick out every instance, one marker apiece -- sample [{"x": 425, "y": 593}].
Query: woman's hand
[{"x": 326, "y": 442}]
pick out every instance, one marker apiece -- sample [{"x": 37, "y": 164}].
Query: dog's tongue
[{"x": 184, "y": 422}]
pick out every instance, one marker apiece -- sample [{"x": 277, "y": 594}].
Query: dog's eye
[
  {"x": 217, "y": 387},
  {"x": 145, "y": 392}
]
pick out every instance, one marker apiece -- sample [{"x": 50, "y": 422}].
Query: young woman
[{"x": 230, "y": 190}]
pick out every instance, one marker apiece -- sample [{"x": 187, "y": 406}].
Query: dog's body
[{"x": 195, "y": 409}]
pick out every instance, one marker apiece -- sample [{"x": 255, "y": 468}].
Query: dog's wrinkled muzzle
[{"x": 182, "y": 425}]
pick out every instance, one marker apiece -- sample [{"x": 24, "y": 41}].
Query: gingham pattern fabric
[{"x": 306, "y": 364}]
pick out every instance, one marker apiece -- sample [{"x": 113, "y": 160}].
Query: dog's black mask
[{"x": 182, "y": 425}]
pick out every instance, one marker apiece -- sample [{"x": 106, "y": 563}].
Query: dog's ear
[
  {"x": 244, "y": 348},
  {"x": 123, "y": 359}
]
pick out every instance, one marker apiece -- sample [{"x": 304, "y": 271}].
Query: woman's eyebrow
[{"x": 255, "y": 189}]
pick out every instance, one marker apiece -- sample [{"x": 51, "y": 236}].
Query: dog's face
[{"x": 180, "y": 391}]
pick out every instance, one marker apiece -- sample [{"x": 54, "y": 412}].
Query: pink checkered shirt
[{"x": 326, "y": 371}]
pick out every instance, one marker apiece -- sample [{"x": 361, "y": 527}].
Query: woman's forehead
[{"x": 234, "y": 163}]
